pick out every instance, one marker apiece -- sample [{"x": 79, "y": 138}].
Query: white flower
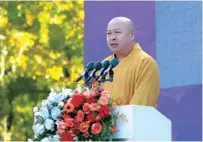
[
  {"x": 45, "y": 139},
  {"x": 51, "y": 96},
  {"x": 38, "y": 129},
  {"x": 44, "y": 103},
  {"x": 75, "y": 138},
  {"x": 55, "y": 112},
  {"x": 29, "y": 140},
  {"x": 79, "y": 88},
  {"x": 59, "y": 97},
  {"x": 60, "y": 104},
  {"x": 67, "y": 92},
  {"x": 35, "y": 109},
  {"x": 44, "y": 112},
  {"x": 49, "y": 124},
  {"x": 54, "y": 138}
]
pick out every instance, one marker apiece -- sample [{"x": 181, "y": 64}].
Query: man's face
[{"x": 118, "y": 36}]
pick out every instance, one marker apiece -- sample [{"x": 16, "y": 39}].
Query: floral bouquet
[{"x": 75, "y": 115}]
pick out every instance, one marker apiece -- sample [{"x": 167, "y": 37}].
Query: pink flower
[
  {"x": 85, "y": 89},
  {"x": 69, "y": 122},
  {"x": 80, "y": 116},
  {"x": 96, "y": 128},
  {"x": 68, "y": 107},
  {"x": 95, "y": 93},
  {"x": 84, "y": 126},
  {"x": 86, "y": 134},
  {"x": 94, "y": 107},
  {"x": 105, "y": 94},
  {"x": 61, "y": 127},
  {"x": 98, "y": 118},
  {"x": 76, "y": 92},
  {"x": 86, "y": 108},
  {"x": 87, "y": 93},
  {"x": 103, "y": 100}
]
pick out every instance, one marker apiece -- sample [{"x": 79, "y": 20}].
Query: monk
[{"x": 136, "y": 77}]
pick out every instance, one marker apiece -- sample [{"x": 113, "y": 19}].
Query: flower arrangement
[{"x": 75, "y": 115}]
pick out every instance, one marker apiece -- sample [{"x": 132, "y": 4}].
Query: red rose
[
  {"x": 96, "y": 128},
  {"x": 91, "y": 117},
  {"x": 104, "y": 111},
  {"x": 67, "y": 136},
  {"x": 75, "y": 131},
  {"x": 77, "y": 100},
  {"x": 80, "y": 116},
  {"x": 84, "y": 126},
  {"x": 86, "y": 108},
  {"x": 90, "y": 100}
]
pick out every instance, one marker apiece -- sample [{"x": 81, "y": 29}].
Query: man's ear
[{"x": 132, "y": 34}]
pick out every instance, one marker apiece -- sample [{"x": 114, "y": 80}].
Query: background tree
[{"x": 41, "y": 47}]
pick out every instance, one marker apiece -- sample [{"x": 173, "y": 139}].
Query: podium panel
[{"x": 142, "y": 123}]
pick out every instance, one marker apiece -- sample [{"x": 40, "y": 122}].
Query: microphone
[
  {"x": 89, "y": 67},
  {"x": 114, "y": 62},
  {"x": 105, "y": 66},
  {"x": 97, "y": 66}
]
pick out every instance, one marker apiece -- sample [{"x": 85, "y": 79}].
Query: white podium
[{"x": 144, "y": 123}]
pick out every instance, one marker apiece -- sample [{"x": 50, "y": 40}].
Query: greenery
[{"x": 41, "y": 47}]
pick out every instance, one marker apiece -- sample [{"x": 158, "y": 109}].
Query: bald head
[
  {"x": 126, "y": 22},
  {"x": 120, "y": 35}
]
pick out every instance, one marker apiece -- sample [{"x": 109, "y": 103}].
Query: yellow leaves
[
  {"x": 3, "y": 21},
  {"x": 23, "y": 62},
  {"x": 55, "y": 72},
  {"x": 58, "y": 19},
  {"x": 81, "y": 2},
  {"x": 38, "y": 59},
  {"x": 43, "y": 17},
  {"x": 23, "y": 39},
  {"x": 44, "y": 34},
  {"x": 29, "y": 18},
  {"x": 38, "y": 73},
  {"x": 81, "y": 14},
  {"x": 66, "y": 6},
  {"x": 80, "y": 36},
  {"x": 19, "y": 6},
  {"x": 71, "y": 33},
  {"x": 23, "y": 109}
]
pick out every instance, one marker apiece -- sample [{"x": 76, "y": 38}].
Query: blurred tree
[{"x": 41, "y": 47}]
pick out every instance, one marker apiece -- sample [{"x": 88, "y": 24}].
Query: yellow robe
[{"x": 136, "y": 79}]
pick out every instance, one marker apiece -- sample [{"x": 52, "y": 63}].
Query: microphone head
[
  {"x": 114, "y": 62},
  {"x": 90, "y": 65},
  {"x": 106, "y": 64},
  {"x": 98, "y": 65}
]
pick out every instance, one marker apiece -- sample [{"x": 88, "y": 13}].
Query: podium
[{"x": 143, "y": 123}]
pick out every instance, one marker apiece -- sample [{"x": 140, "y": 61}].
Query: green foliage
[{"x": 41, "y": 45}]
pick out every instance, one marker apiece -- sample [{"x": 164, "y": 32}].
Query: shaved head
[
  {"x": 123, "y": 20},
  {"x": 120, "y": 35}
]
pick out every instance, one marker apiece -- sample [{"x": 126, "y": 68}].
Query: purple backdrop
[
  {"x": 182, "y": 105},
  {"x": 97, "y": 16}
]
